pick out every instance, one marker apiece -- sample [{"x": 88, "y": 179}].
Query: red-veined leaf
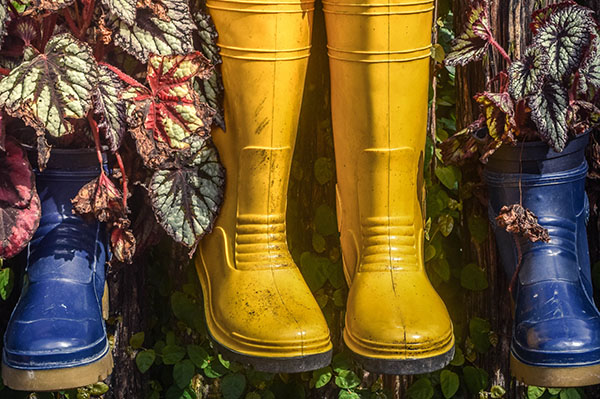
[
  {"x": 171, "y": 112},
  {"x": 589, "y": 73},
  {"x": 19, "y": 203},
  {"x": 540, "y": 17},
  {"x": 4, "y": 19},
  {"x": 186, "y": 200},
  {"x": 474, "y": 42},
  {"x": 549, "y": 112},
  {"x": 461, "y": 146},
  {"x": 48, "y": 89},
  {"x": 101, "y": 199},
  {"x": 498, "y": 109},
  {"x": 124, "y": 9}
]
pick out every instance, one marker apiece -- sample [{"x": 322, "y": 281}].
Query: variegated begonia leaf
[
  {"x": 168, "y": 34},
  {"x": 526, "y": 75},
  {"x": 124, "y": 9},
  {"x": 110, "y": 107},
  {"x": 499, "y": 111},
  {"x": 170, "y": 111},
  {"x": 474, "y": 42},
  {"x": 211, "y": 89},
  {"x": 589, "y": 73},
  {"x": 19, "y": 203},
  {"x": 186, "y": 200},
  {"x": 549, "y": 108},
  {"x": 51, "y": 5},
  {"x": 4, "y": 19},
  {"x": 564, "y": 38},
  {"x": 47, "y": 89},
  {"x": 540, "y": 17}
]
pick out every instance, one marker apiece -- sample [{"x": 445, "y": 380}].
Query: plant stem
[
  {"x": 498, "y": 47},
  {"x": 96, "y": 135},
  {"x": 69, "y": 19},
  {"x": 124, "y": 177},
  {"x": 4, "y": 71},
  {"x": 48, "y": 26},
  {"x": 88, "y": 13}
]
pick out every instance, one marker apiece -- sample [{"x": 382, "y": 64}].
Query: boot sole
[
  {"x": 61, "y": 378},
  {"x": 405, "y": 366},
  {"x": 276, "y": 365},
  {"x": 57, "y": 379},
  {"x": 554, "y": 376}
]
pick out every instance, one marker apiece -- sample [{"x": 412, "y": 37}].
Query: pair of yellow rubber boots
[{"x": 258, "y": 308}]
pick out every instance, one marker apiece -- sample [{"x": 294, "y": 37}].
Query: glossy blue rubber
[
  {"x": 57, "y": 322},
  {"x": 556, "y": 324}
]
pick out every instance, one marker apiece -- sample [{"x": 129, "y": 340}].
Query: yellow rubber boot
[
  {"x": 258, "y": 308},
  {"x": 379, "y": 60}
]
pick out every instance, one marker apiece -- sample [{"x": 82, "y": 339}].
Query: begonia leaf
[
  {"x": 474, "y": 42},
  {"x": 526, "y": 75},
  {"x": 110, "y": 107},
  {"x": 124, "y": 9},
  {"x": 549, "y": 109}
]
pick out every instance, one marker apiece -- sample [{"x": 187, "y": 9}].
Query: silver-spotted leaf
[
  {"x": 564, "y": 38},
  {"x": 109, "y": 107},
  {"x": 156, "y": 34},
  {"x": 171, "y": 111},
  {"x": 526, "y": 75},
  {"x": 124, "y": 9},
  {"x": 211, "y": 90},
  {"x": 19, "y": 203},
  {"x": 589, "y": 73},
  {"x": 540, "y": 17},
  {"x": 473, "y": 43},
  {"x": 549, "y": 108},
  {"x": 48, "y": 89},
  {"x": 4, "y": 19},
  {"x": 186, "y": 200}
]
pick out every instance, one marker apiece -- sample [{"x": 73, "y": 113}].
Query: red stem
[
  {"x": 48, "y": 26},
  {"x": 72, "y": 26},
  {"x": 88, "y": 13},
  {"x": 498, "y": 47},
  {"x": 124, "y": 176},
  {"x": 122, "y": 75},
  {"x": 4, "y": 71},
  {"x": 96, "y": 135}
]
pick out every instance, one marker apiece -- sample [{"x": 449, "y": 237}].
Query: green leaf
[
  {"x": 478, "y": 227},
  {"x": 526, "y": 75},
  {"x": 325, "y": 220},
  {"x": 459, "y": 358},
  {"x": 549, "y": 108},
  {"x": 315, "y": 269},
  {"x": 198, "y": 355},
  {"x": 98, "y": 389},
  {"x": 7, "y": 278},
  {"x": 252, "y": 395},
  {"x": 186, "y": 200},
  {"x": 137, "y": 340},
  {"x": 48, "y": 89},
  {"x": 233, "y": 386},
  {"x": 475, "y": 379},
  {"x": 347, "y": 379},
  {"x": 589, "y": 73},
  {"x": 446, "y": 224},
  {"x": 109, "y": 107},
  {"x": 534, "y": 392},
  {"x": 473, "y": 43},
  {"x": 173, "y": 354},
  {"x": 124, "y": 9},
  {"x": 497, "y": 392},
  {"x": 339, "y": 298},
  {"x": 155, "y": 34},
  {"x": 321, "y": 377},
  {"x": 421, "y": 389},
  {"x": 498, "y": 109},
  {"x": 341, "y": 362},
  {"x": 183, "y": 372},
  {"x": 318, "y": 242},
  {"x": 144, "y": 360},
  {"x": 449, "y": 176},
  {"x": 449, "y": 382},
  {"x": 564, "y": 37},
  {"x": 442, "y": 268},
  {"x": 324, "y": 170},
  {"x": 479, "y": 330},
  {"x": 345, "y": 394},
  {"x": 570, "y": 393},
  {"x": 473, "y": 278}
]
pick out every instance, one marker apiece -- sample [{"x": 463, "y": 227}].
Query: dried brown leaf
[{"x": 521, "y": 221}]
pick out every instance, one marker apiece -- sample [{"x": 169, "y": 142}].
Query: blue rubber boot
[
  {"x": 56, "y": 337},
  {"x": 556, "y": 331}
]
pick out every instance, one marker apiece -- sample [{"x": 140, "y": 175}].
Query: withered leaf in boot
[
  {"x": 518, "y": 220},
  {"x": 122, "y": 241},
  {"x": 100, "y": 198}
]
